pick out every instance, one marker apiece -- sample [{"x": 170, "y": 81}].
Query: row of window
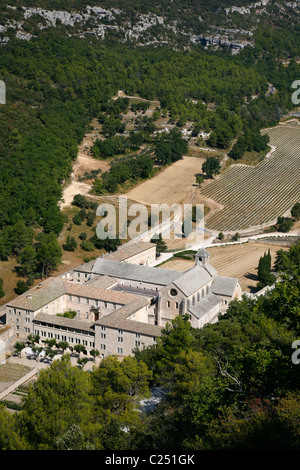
[
  {"x": 169, "y": 304},
  {"x": 60, "y": 327},
  {"x": 96, "y": 303},
  {"x": 68, "y": 339},
  {"x": 193, "y": 300}
]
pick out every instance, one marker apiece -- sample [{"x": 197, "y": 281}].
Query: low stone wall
[{"x": 280, "y": 241}]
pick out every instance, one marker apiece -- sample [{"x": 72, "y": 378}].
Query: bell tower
[{"x": 202, "y": 257}]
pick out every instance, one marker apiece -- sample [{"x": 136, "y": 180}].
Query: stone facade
[{"x": 119, "y": 305}]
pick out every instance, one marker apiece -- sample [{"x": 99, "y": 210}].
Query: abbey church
[{"x": 120, "y": 301}]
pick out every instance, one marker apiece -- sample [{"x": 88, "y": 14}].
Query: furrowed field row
[{"x": 254, "y": 196}]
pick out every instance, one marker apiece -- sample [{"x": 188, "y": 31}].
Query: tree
[
  {"x": 19, "y": 348},
  {"x": 118, "y": 389},
  {"x": 161, "y": 245},
  {"x": 21, "y": 287},
  {"x": 199, "y": 180},
  {"x": 49, "y": 253},
  {"x": 236, "y": 237},
  {"x": 63, "y": 345},
  {"x": 211, "y": 167},
  {"x": 295, "y": 211},
  {"x": 284, "y": 224},
  {"x": 82, "y": 236},
  {"x": 79, "y": 348},
  {"x": 95, "y": 353},
  {"x": 176, "y": 336},
  {"x": 80, "y": 201},
  {"x": 10, "y": 433},
  {"x": 73, "y": 439},
  {"x": 33, "y": 338},
  {"x": 264, "y": 271},
  {"x": 82, "y": 361},
  {"x": 169, "y": 147},
  {"x": 2, "y": 292},
  {"x": 21, "y": 236},
  {"x": 27, "y": 260},
  {"x": 88, "y": 245},
  {"x": 58, "y": 399},
  {"x": 70, "y": 244}
]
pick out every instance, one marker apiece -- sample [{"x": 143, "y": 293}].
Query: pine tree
[{"x": 2, "y": 292}]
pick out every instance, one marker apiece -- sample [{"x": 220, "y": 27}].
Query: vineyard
[{"x": 256, "y": 196}]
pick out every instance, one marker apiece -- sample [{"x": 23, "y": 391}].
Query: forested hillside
[{"x": 57, "y": 82}]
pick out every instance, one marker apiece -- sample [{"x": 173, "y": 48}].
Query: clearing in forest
[{"x": 175, "y": 184}]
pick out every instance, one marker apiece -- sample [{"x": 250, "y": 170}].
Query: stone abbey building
[{"x": 120, "y": 301}]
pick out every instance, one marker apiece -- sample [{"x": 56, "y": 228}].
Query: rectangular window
[
  {"x": 120, "y": 350},
  {"x": 120, "y": 339}
]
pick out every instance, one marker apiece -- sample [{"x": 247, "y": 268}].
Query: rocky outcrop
[{"x": 147, "y": 28}]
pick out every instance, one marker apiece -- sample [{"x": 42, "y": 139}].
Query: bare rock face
[{"x": 221, "y": 28}]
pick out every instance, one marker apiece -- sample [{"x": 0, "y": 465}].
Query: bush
[
  {"x": 77, "y": 219},
  {"x": 88, "y": 246},
  {"x": 21, "y": 287},
  {"x": 70, "y": 245}
]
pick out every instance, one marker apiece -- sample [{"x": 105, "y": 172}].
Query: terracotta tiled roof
[
  {"x": 84, "y": 290},
  {"x": 119, "y": 320},
  {"x": 40, "y": 295},
  {"x": 65, "y": 322},
  {"x": 127, "y": 251}
]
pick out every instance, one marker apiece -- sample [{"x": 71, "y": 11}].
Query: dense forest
[{"x": 230, "y": 385}]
